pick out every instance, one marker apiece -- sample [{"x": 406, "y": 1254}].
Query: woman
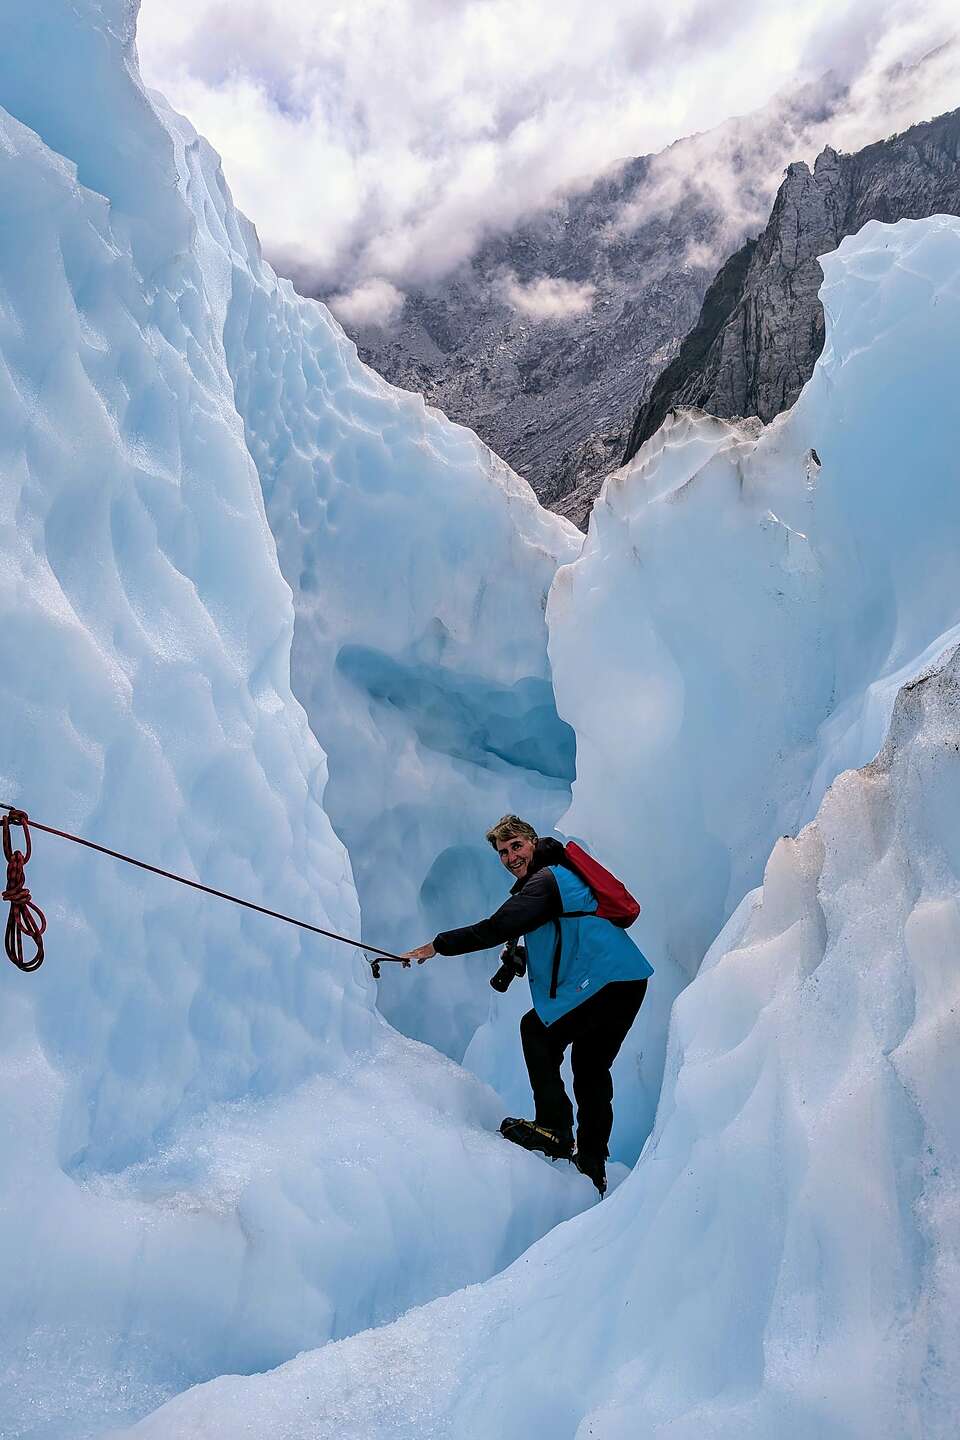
[{"x": 587, "y": 980}]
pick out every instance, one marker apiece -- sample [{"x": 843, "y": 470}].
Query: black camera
[{"x": 513, "y": 962}]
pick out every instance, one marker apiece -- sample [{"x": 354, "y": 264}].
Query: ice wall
[
  {"x": 752, "y": 598},
  {"x": 419, "y": 563},
  {"x": 748, "y": 603},
  {"x": 213, "y": 1151},
  {"x": 419, "y": 566},
  {"x": 785, "y": 1259}
]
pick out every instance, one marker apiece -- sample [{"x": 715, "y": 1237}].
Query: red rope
[
  {"x": 25, "y": 918},
  {"x": 21, "y": 920}
]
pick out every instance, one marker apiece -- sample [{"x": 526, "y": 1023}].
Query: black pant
[{"x": 596, "y": 1029}]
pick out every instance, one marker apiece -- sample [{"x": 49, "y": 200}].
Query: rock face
[
  {"x": 760, "y": 330},
  {"x": 553, "y": 395},
  {"x": 556, "y": 395}
]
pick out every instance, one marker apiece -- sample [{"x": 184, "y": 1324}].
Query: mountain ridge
[
  {"x": 760, "y": 330},
  {"x": 556, "y": 396}
]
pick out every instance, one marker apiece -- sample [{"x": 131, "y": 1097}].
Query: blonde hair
[{"x": 509, "y": 826}]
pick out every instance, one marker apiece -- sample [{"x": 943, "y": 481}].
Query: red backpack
[{"x": 614, "y": 901}]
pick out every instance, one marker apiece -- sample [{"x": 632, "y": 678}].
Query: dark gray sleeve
[{"x": 538, "y": 902}]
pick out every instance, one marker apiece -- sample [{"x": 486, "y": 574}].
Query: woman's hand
[{"x": 425, "y": 952}]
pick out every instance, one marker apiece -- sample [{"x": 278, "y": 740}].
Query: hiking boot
[
  {"x": 526, "y": 1133},
  {"x": 595, "y": 1169}
]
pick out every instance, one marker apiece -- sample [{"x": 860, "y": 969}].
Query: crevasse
[
  {"x": 783, "y": 1259},
  {"x": 795, "y": 1206}
]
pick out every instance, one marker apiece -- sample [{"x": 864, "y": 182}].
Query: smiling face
[{"x": 516, "y": 852}]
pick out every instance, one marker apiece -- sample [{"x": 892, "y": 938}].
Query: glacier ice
[
  {"x": 753, "y": 599},
  {"x": 228, "y": 548},
  {"x": 419, "y": 566},
  {"x": 776, "y": 588},
  {"x": 214, "y": 1150},
  {"x": 785, "y": 1259}
]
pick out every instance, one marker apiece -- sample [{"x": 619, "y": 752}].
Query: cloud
[
  {"x": 372, "y": 302},
  {"x": 906, "y": 74},
  {"x": 387, "y": 138},
  {"x": 547, "y": 298},
  {"x": 731, "y": 172}
]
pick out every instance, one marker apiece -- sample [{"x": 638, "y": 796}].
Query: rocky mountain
[
  {"x": 551, "y": 382},
  {"x": 760, "y": 329}
]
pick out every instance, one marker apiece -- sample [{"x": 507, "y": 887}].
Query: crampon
[{"x": 531, "y": 1136}]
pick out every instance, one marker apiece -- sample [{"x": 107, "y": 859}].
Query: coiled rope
[{"x": 26, "y": 918}]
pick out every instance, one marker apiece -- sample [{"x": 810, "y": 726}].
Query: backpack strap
[{"x": 558, "y": 945}]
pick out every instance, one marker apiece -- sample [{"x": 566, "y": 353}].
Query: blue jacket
[
  {"x": 592, "y": 952},
  {"x": 542, "y": 909}
]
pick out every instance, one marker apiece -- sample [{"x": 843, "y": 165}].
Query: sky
[{"x": 375, "y": 143}]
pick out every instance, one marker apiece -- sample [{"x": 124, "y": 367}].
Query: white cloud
[
  {"x": 386, "y": 138},
  {"x": 372, "y": 302},
  {"x": 547, "y": 298},
  {"x": 737, "y": 168}
]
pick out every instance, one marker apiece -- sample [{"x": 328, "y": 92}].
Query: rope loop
[
  {"x": 16, "y": 817},
  {"x": 25, "y": 918}
]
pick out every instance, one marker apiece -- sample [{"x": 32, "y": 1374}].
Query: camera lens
[
  {"x": 513, "y": 962},
  {"x": 503, "y": 977}
]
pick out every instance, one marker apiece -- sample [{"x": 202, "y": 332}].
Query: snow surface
[
  {"x": 785, "y": 1259},
  {"x": 214, "y": 1150}
]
